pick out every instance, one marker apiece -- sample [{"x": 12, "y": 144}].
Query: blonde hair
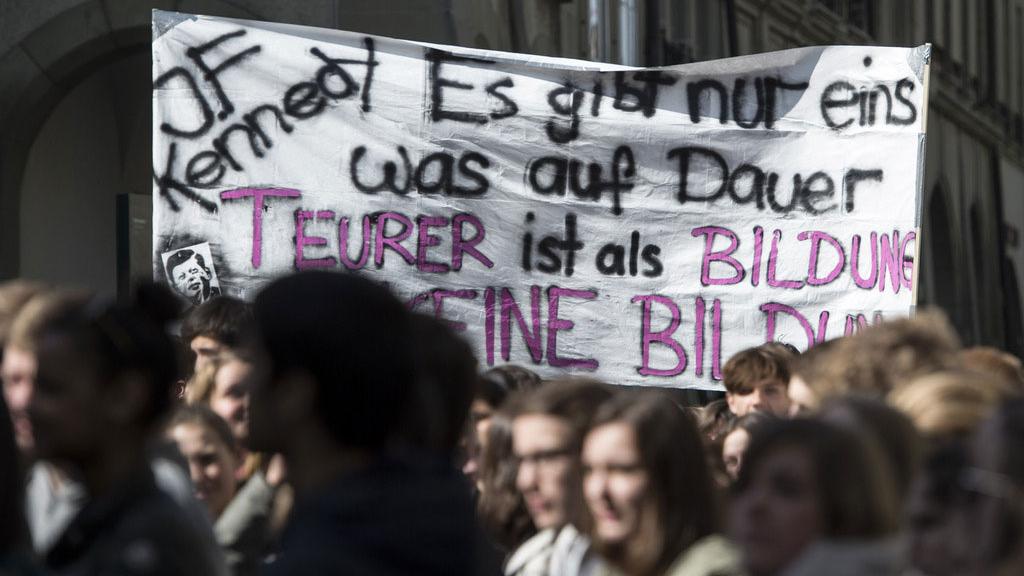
[
  {"x": 951, "y": 403},
  {"x": 14, "y": 295},
  {"x": 39, "y": 311}
]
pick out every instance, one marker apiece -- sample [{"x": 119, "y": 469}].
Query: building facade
[{"x": 75, "y": 114}]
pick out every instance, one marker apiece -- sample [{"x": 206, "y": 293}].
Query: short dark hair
[
  {"x": 353, "y": 338},
  {"x": 222, "y": 318},
  {"x": 180, "y": 257}
]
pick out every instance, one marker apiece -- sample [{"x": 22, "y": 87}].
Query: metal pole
[
  {"x": 597, "y": 37},
  {"x": 628, "y": 18}
]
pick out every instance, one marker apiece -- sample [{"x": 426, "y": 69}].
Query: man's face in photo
[{"x": 192, "y": 279}]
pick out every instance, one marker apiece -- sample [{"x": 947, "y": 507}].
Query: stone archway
[{"x": 49, "y": 51}]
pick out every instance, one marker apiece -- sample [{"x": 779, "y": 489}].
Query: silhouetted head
[
  {"x": 334, "y": 349},
  {"x": 446, "y": 382},
  {"x": 105, "y": 371}
]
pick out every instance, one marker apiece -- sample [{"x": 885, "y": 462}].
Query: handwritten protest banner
[{"x": 566, "y": 215}]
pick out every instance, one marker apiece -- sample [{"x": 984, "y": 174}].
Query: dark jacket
[
  {"x": 136, "y": 530},
  {"x": 400, "y": 516}
]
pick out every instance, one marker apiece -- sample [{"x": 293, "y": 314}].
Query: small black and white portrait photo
[{"x": 190, "y": 271}]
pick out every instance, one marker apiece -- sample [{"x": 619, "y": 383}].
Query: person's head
[
  {"x": 891, "y": 430},
  {"x": 223, "y": 385},
  {"x": 17, "y": 362},
  {"x": 446, "y": 382},
  {"x": 209, "y": 447},
  {"x": 994, "y": 486},
  {"x": 995, "y": 363},
  {"x": 646, "y": 481},
  {"x": 547, "y": 431},
  {"x": 715, "y": 419},
  {"x": 500, "y": 506},
  {"x": 802, "y": 480},
  {"x": 104, "y": 376},
  {"x": 755, "y": 381},
  {"x": 889, "y": 355},
  {"x": 189, "y": 275},
  {"x": 496, "y": 385},
  {"x": 19, "y": 367},
  {"x": 333, "y": 363},
  {"x": 735, "y": 442},
  {"x": 215, "y": 327},
  {"x": 951, "y": 403},
  {"x": 811, "y": 378},
  {"x": 494, "y": 388}
]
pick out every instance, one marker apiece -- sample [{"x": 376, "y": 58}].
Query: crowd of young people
[{"x": 325, "y": 429}]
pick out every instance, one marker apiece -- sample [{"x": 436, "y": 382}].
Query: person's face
[
  {"x": 614, "y": 482},
  {"x": 18, "y": 372},
  {"x": 211, "y": 464},
  {"x": 763, "y": 396},
  {"x": 802, "y": 399},
  {"x": 230, "y": 397},
  {"x": 778, "y": 513},
  {"x": 206, "y": 350},
  {"x": 547, "y": 468},
  {"x": 733, "y": 448},
  {"x": 69, "y": 412},
  {"x": 191, "y": 279}
]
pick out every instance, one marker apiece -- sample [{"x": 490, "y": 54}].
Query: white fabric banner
[{"x": 645, "y": 224}]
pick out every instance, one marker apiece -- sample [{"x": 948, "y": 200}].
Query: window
[{"x": 859, "y": 13}]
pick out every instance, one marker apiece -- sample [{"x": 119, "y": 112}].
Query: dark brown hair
[
  {"x": 202, "y": 415},
  {"x": 857, "y": 495},
  {"x": 767, "y": 362},
  {"x": 891, "y": 430},
  {"x": 221, "y": 318},
  {"x": 573, "y": 400},
  {"x": 499, "y": 382},
  {"x": 680, "y": 503},
  {"x": 501, "y": 507}
]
